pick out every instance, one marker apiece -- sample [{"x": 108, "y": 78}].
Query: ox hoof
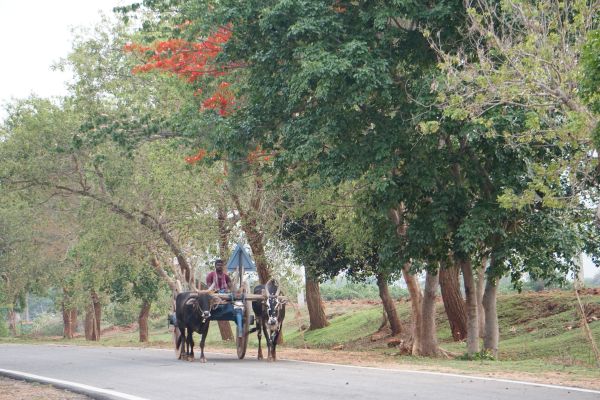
[{"x": 203, "y": 360}]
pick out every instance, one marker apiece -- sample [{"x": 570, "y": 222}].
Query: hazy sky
[{"x": 35, "y": 34}]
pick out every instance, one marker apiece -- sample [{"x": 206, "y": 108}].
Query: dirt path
[{"x": 19, "y": 390}]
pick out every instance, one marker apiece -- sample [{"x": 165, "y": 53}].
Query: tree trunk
[
  {"x": 471, "y": 295},
  {"x": 69, "y": 324},
  {"x": 224, "y": 326},
  {"x": 579, "y": 281},
  {"x": 492, "y": 332},
  {"x": 453, "y": 301},
  {"x": 174, "y": 284},
  {"x": 69, "y": 316},
  {"x": 429, "y": 343},
  {"x": 223, "y": 233},
  {"x": 67, "y": 331},
  {"x": 480, "y": 289},
  {"x": 388, "y": 305},
  {"x": 143, "y": 321},
  {"x": 12, "y": 322},
  {"x": 416, "y": 302},
  {"x": 314, "y": 303},
  {"x": 252, "y": 231},
  {"x": 92, "y": 318},
  {"x": 73, "y": 320},
  {"x": 27, "y": 316}
]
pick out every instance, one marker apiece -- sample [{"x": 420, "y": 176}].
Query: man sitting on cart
[{"x": 218, "y": 279}]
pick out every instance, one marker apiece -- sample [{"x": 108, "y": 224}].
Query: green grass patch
[{"x": 343, "y": 329}]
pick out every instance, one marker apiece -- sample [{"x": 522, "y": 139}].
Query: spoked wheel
[
  {"x": 242, "y": 342},
  {"x": 176, "y": 335}
]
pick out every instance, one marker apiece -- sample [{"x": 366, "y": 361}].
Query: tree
[
  {"x": 314, "y": 248},
  {"x": 509, "y": 68},
  {"x": 138, "y": 281},
  {"x": 194, "y": 62}
]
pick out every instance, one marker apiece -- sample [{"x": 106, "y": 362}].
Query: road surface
[{"x": 135, "y": 374}]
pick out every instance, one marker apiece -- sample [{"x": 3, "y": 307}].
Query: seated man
[{"x": 218, "y": 279}]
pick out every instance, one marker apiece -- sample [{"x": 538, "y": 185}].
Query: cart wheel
[
  {"x": 176, "y": 335},
  {"x": 242, "y": 342}
]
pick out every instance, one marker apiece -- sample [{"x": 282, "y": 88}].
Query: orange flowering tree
[
  {"x": 191, "y": 61},
  {"x": 198, "y": 64}
]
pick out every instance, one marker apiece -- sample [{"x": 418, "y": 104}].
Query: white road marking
[{"x": 68, "y": 384}]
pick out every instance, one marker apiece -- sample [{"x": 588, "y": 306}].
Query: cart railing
[{"x": 244, "y": 297}]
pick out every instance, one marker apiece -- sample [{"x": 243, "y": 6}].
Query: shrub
[
  {"x": 47, "y": 324},
  {"x": 121, "y": 314}
]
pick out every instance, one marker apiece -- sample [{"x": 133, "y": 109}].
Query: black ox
[
  {"x": 192, "y": 313},
  {"x": 269, "y": 317}
]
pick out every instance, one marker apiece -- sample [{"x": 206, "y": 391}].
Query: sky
[{"x": 35, "y": 34}]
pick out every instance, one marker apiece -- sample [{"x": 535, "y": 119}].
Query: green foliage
[
  {"x": 480, "y": 355},
  {"x": 507, "y": 72},
  {"x": 139, "y": 282},
  {"x": 590, "y": 64},
  {"x": 351, "y": 291},
  {"x": 122, "y": 313},
  {"x": 314, "y": 247}
]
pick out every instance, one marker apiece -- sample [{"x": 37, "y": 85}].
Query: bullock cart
[{"x": 235, "y": 306}]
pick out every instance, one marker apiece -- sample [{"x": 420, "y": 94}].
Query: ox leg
[
  {"x": 269, "y": 339},
  {"x": 181, "y": 343},
  {"x": 259, "y": 333},
  {"x": 202, "y": 340},
  {"x": 191, "y": 345},
  {"x": 276, "y": 340},
  {"x": 274, "y": 345}
]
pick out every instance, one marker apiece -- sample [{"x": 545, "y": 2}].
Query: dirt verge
[{"x": 11, "y": 389}]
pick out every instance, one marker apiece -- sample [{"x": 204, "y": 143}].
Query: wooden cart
[{"x": 236, "y": 307}]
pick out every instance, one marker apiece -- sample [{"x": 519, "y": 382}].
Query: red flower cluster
[
  {"x": 195, "y": 158},
  {"x": 221, "y": 100},
  {"x": 258, "y": 155},
  {"x": 189, "y": 60}
]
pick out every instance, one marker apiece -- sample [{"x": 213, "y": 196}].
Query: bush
[
  {"x": 121, "y": 314},
  {"x": 47, "y": 324}
]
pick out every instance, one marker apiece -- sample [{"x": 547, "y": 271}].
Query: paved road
[{"x": 155, "y": 374}]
